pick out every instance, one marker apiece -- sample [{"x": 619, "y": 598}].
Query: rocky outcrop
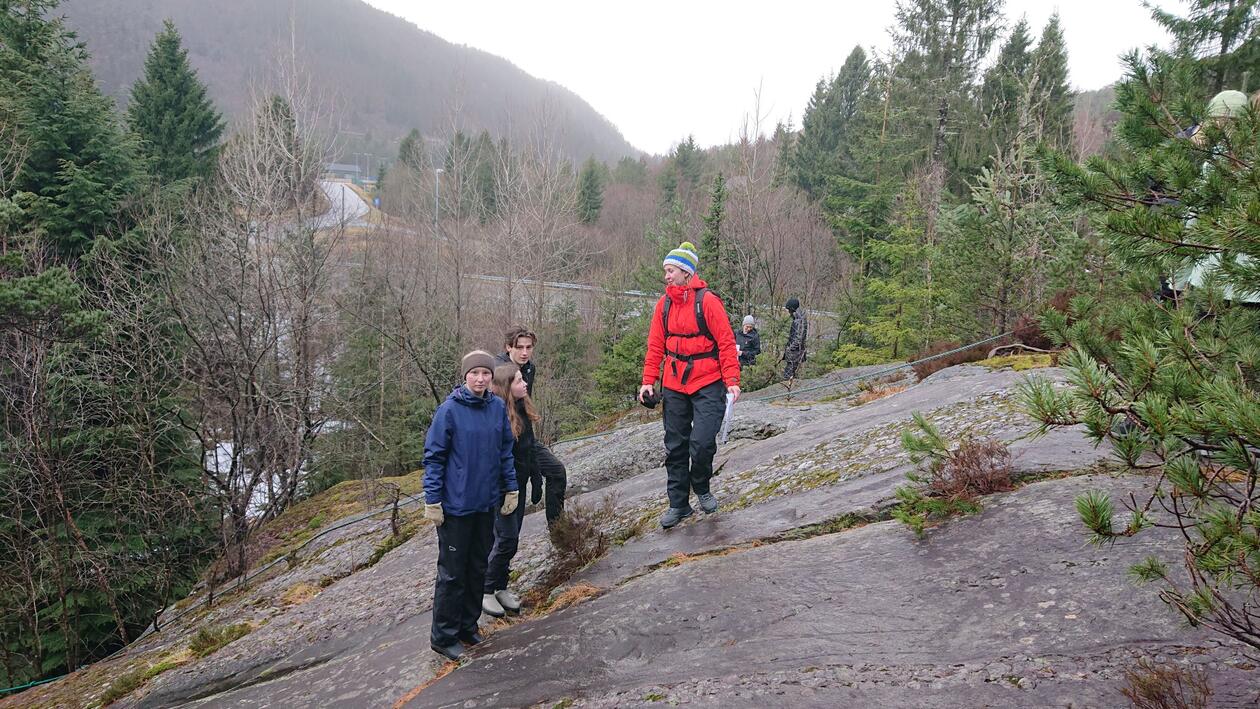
[
  {"x": 1003, "y": 609},
  {"x": 797, "y": 591}
]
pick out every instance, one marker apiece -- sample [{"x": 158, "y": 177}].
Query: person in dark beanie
[
  {"x": 794, "y": 352},
  {"x": 467, "y": 465},
  {"x": 518, "y": 346},
  {"x": 748, "y": 340},
  {"x": 508, "y": 384},
  {"x": 691, "y": 335}
]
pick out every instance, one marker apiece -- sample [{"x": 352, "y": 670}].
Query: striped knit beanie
[{"x": 684, "y": 257}]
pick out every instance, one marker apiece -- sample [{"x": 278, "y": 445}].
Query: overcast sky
[{"x": 661, "y": 70}]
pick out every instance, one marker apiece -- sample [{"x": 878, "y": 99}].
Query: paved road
[{"x": 345, "y": 207}]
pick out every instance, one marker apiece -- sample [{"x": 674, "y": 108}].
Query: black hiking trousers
[
  {"x": 556, "y": 478},
  {"x": 792, "y": 363},
  {"x": 463, "y": 549},
  {"x": 692, "y": 423},
  {"x": 507, "y": 537}
]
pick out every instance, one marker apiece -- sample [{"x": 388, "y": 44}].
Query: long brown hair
[{"x": 504, "y": 375}]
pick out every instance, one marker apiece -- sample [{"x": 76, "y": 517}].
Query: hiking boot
[
  {"x": 674, "y": 515},
  {"x": 450, "y": 652},
  {"x": 491, "y": 606},
  {"x": 510, "y": 601},
  {"x": 470, "y": 638},
  {"x": 708, "y": 503}
]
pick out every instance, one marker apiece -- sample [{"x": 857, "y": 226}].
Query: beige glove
[
  {"x": 509, "y": 504},
  {"x": 434, "y": 512}
]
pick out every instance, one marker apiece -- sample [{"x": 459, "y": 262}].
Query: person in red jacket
[{"x": 691, "y": 336}]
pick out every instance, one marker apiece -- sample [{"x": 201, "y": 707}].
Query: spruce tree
[
  {"x": 683, "y": 170},
  {"x": 1221, "y": 36},
  {"x": 713, "y": 257},
  {"x": 172, "y": 114},
  {"x": 486, "y": 182},
  {"x": 1173, "y": 380},
  {"x": 822, "y": 149},
  {"x": 630, "y": 171},
  {"x": 412, "y": 152},
  {"x": 887, "y": 142},
  {"x": 667, "y": 184},
  {"x": 952, "y": 37},
  {"x": 1050, "y": 101},
  {"x": 79, "y": 167},
  {"x": 1003, "y": 87},
  {"x": 590, "y": 198}
]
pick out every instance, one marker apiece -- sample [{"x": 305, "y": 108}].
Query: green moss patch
[{"x": 1019, "y": 363}]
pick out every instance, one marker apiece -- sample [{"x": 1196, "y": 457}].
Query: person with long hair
[
  {"x": 518, "y": 349},
  {"x": 509, "y": 384}
]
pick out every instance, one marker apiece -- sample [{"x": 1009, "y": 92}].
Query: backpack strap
[
  {"x": 703, "y": 331},
  {"x": 700, "y": 321},
  {"x": 665, "y": 316}
]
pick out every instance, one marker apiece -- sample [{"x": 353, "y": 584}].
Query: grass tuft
[{"x": 208, "y": 640}]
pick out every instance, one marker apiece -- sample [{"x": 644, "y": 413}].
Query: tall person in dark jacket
[
  {"x": 794, "y": 353},
  {"x": 508, "y": 384},
  {"x": 748, "y": 340},
  {"x": 467, "y": 465},
  {"x": 518, "y": 345}
]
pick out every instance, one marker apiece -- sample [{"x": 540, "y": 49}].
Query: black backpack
[{"x": 703, "y": 326}]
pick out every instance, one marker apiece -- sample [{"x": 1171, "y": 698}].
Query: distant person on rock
[
  {"x": 794, "y": 352},
  {"x": 518, "y": 348},
  {"x": 748, "y": 340},
  {"x": 691, "y": 335},
  {"x": 508, "y": 384},
  {"x": 467, "y": 466}
]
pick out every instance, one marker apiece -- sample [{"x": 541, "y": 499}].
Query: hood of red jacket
[{"x": 678, "y": 294}]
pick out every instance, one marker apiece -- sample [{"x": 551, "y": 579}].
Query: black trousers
[
  {"x": 507, "y": 537},
  {"x": 792, "y": 363},
  {"x": 556, "y": 477},
  {"x": 692, "y": 423},
  {"x": 463, "y": 549}
]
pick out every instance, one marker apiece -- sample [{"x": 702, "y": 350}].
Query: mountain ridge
[{"x": 388, "y": 75}]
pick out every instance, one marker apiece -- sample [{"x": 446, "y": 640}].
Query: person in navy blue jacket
[{"x": 468, "y": 467}]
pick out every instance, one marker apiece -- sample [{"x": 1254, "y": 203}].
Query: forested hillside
[{"x": 379, "y": 75}]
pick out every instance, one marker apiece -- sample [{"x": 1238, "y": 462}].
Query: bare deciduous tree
[{"x": 250, "y": 289}]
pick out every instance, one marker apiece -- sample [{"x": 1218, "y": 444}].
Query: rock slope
[{"x": 796, "y": 591}]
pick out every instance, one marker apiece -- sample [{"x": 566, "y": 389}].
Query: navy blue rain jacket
[{"x": 468, "y": 454}]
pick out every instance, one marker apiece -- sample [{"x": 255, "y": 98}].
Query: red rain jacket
[{"x": 682, "y": 321}]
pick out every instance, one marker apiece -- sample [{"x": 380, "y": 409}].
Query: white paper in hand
[{"x": 726, "y": 420}]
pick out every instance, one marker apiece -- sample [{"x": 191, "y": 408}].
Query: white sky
[{"x": 661, "y": 70}]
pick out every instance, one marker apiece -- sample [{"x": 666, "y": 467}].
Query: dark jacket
[
  {"x": 749, "y": 345},
  {"x": 468, "y": 454},
  {"x": 524, "y": 451},
  {"x": 795, "y": 350},
  {"x": 527, "y": 370}
]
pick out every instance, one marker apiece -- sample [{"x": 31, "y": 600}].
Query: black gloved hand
[{"x": 535, "y": 488}]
